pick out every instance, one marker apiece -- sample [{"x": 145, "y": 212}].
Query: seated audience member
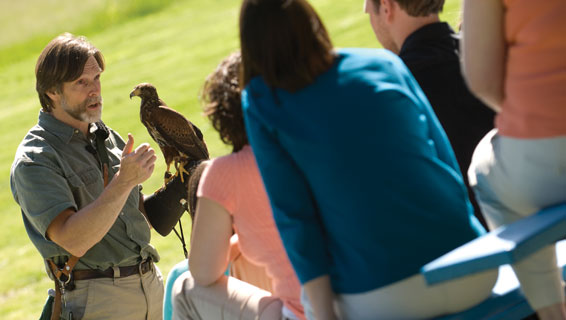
[
  {"x": 240, "y": 268},
  {"x": 363, "y": 184},
  {"x": 412, "y": 29},
  {"x": 231, "y": 197},
  {"x": 515, "y": 61}
]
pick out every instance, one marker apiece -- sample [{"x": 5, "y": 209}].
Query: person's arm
[
  {"x": 484, "y": 50},
  {"x": 292, "y": 201},
  {"x": 321, "y": 297},
  {"x": 78, "y": 231},
  {"x": 210, "y": 242}
]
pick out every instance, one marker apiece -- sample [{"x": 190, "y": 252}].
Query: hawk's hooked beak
[{"x": 135, "y": 92}]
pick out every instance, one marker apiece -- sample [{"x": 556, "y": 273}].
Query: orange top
[
  {"x": 234, "y": 182},
  {"x": 535, "y": 82}
]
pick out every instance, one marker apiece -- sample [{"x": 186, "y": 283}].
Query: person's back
[
  {"x": 234, "y": 181},
  {"x": 535, "y": 93},
  {"x": 399, "y": 193}
]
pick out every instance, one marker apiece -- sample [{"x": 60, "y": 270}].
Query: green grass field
[{"x": 173, "y": 44}]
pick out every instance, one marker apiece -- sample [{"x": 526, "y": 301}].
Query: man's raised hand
[{"x": 136, "y": 166}]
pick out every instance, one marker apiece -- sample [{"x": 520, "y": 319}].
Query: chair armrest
[{"x": 505, "y": 245}]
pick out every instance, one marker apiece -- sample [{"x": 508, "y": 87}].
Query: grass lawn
[{"x": 173, "y": 44}]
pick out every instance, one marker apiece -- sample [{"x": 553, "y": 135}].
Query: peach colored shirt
[
  {"x": 535, "y": 80},
  {"x": 234, "y": 182}
]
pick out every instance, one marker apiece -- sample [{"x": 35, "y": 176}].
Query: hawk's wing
[{"x": 179, "y": 133}]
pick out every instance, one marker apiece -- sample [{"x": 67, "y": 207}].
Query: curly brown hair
[{"x": 222, "y": 104}]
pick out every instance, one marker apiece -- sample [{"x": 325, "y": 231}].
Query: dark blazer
[{"x": 432, "y": 54}]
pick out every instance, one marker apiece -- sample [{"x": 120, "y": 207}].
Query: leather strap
[
  {"x": 101, "y": 135},
  {"x": 65, "y": 271},
  {"x": 62, "y": 276},
  {"x": 140, "y": 268}
]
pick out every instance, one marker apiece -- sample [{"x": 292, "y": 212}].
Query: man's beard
[{"x": 80, "y": 111}]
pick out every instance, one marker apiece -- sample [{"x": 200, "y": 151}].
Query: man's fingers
[
  {"x": 149, "y": 157},
  {"x": 142, "y": 148},
  {"x": 129, "y": 145}
]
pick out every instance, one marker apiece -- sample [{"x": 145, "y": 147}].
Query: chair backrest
[{"x": 498, "y": 249}]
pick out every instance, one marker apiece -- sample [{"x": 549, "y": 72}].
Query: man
[
  {"x": 77, "y": 184},
  {"x": 430, "y": 49}
]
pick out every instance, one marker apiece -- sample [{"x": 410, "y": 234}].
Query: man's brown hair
[
  {"x": 417, "y": 8},
  {"x": 284, "y": 42},
  {"x": 62, "y": 60}
]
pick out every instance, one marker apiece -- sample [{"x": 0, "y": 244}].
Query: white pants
[
  {"x": 412, "y": 298},
  {"x": 512, "y": 179}
]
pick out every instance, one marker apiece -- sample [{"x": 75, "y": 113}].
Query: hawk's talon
[
  {"x": 167, "y": 178},
  {"x": 180, "y": 170}
]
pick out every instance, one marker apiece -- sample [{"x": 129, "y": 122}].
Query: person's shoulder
[
  {"x": 220, "y": 166},
  {"x": 35, "y": 146},
  {"x": 35, "y": 151},
  {"x": 374, "y": 67},
  {"x": 366, "y": 55},
  {"x": 255, "y": 89},
  {"x": 223, "y": 177},
  {"x": 430, "y": 47},
  {"x": 232, "y": 162},
  {"x": 364, "y": 60}
]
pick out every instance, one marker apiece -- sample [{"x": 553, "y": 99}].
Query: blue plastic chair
[
  {"x": 175, "y": 272},
  {"x": 498, "y": 249}
]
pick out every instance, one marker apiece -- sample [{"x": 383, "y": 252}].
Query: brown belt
[{"x": 141, "y": 268}]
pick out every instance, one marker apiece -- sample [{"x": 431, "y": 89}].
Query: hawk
[{"x": 179, "y": 140}]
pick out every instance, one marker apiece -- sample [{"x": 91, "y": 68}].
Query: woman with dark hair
[
  {"x": 231, "y": 198},
  {"x": 363, "y": 183}
]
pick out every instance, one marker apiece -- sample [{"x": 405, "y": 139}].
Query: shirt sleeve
[
  {"x": 42, "y": 192},
  {"x": 291, "y": 199},
  {"x": 217, "y": 183}
]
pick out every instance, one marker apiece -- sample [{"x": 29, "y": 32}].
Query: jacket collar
[{"x": 430, "y": 33}]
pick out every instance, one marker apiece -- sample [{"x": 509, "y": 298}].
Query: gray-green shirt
[{"x": 54, "y": 170}]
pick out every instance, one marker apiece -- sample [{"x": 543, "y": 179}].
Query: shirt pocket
[
  {"x": 89, "y": 176},
  {"x": 84, "y": 178}
]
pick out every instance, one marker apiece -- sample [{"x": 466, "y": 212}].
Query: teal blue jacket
[{"x": 362, "y": 180}]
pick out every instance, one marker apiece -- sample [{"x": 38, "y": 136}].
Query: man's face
[
  {"x": 379, "y": 25},
  {"x": 81, "y": 99}
]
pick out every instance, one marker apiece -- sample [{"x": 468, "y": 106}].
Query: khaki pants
[
  {"x": 134, "y": 297},
  {"x": 246, "y": 294},
  {"x": 227, "y": 299}
]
